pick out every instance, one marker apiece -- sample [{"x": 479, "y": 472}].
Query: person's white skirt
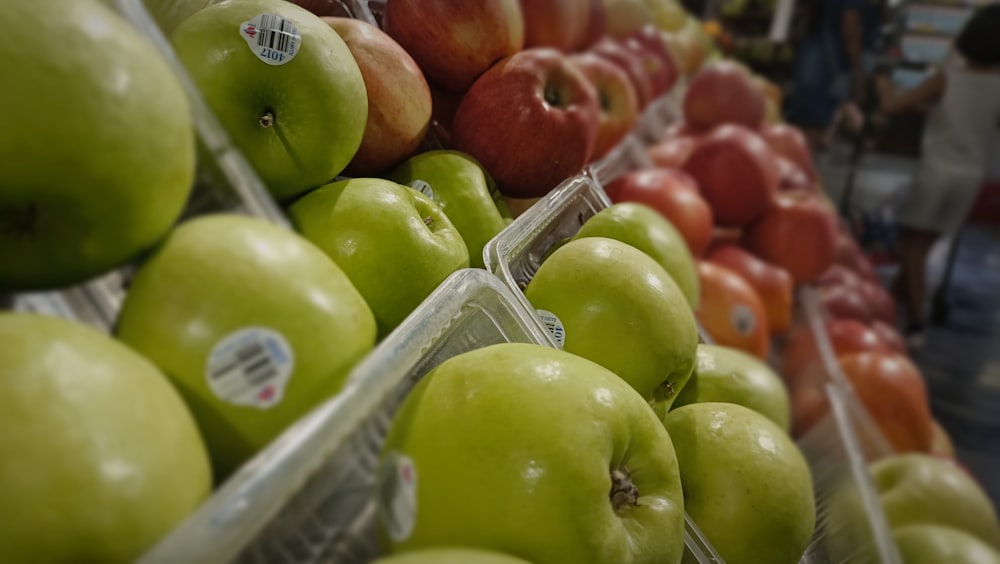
[{"x": 940, "y": 198}]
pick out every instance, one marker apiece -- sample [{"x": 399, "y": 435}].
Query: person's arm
[
  {"x": 853, "y": 31},
  {"x": 927, "y": 92}
]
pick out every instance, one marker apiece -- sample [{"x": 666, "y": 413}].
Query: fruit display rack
[{"x": 312, "y": 494}]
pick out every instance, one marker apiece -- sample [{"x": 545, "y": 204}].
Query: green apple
[
  {"x": 284, "y": 85},
  {"x": 394, "y": 243},
  {"x": 620, "y": 309},
  {"x": 168, "y": 14},
  {"x": 101, "y": 456},
  {"x": 450, "y": 556},
  {"x": 534, "y": 452},
  {"x": 647, "y": 230},
  {"x": 746, "y": 484},
  {"x": 922, "y": 489},
  {"x": 934, "y": 544},
  {"x": 252, "y": 323},
  {"x": 460, "y": 185},
  {"x": 97, "y": 153},
  {"x": 724, "y": 374}
]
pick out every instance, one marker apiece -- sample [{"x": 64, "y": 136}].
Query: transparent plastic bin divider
[
  {"x": 515, "y": 254},
  {"x": 310, "y": 496},
  {"x": 851, "y": 526}
]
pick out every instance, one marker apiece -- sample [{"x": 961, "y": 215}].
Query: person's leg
[{"x": 915, "y": 246}]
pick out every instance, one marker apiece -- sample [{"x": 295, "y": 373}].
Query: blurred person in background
[
  {"x": 833, "y": 59},
  {"x": 964, "y": 94}
]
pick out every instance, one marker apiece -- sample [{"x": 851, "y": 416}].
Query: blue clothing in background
[{"x": 821, "y": 64}]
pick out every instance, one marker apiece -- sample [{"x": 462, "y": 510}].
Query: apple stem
[
  {"x": 623, "y": 491},
  {"x": 267, "y": 120}
]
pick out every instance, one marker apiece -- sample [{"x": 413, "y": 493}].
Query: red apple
[
  {"x": 329, "y": 8},
  {"x": 731, "y": 311},
  {"x": 616, "y": 96},
  {"x": 723, "y": 93},
  {"x": 597, "y": 24},
  {"x": 845, "y": 302},
  {"x": 672, "y": 193},
  {"x": 839, "y": 275},
  {"x": 788, "y": 141},
  {"x": 773, "y": 284},
  {"x": 736, "y": 174},
  {"x": 399, "y": 100},
  {"x": 560, "y": 24},
  {"x": 660, "y": 64},
  {"x": 530, "y": 120},
  {"x": 894, "y": 392},
  {"x": 798, "y": 233},
  {"x": 881, "y": 304},
  {"x": 889, "y": 335},
  {"x": 672, "y": 151},
  {"x": 454, "y": 41},
  {"x": 849, "y": 254},
  {"x": 791, "y": 177},
  {"x": 724, "y": 236},
  {"x": 846, "y": 336},
  {"x": 631, "y": 63}
]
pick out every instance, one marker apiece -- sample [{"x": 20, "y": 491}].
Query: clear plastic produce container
[
  {"x": 851, "y": 526},
  {"x": 310, "y": 496}
]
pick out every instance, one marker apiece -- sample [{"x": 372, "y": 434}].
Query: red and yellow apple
[
  {"x": 619, "y": 106},
  {"x": 731, "y": 311},
  {"x": 772, "y": 283}
]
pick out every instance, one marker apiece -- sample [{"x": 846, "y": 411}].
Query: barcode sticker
[
  {"x": 554, "y": 325},
  {"x": 423, "y": 187},
  {"x": 274, "y": 39},
  {"x": 250, "y": 367},
  {"x": 397, "y": 495}
]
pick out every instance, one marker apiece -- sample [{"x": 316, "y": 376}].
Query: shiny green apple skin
[
  {"x": 450, "y": 556},
  {"x": 97, "y": 153},
  {"x": 746, "y": 484},
  {"x": 728, "y": 375},
  {"x": 461, "y": 188},
  {"x": 514, "y": 446},
  {"x": 921, "y": 489},
  {"x": 299, "y": 123},
  {"x": 394, "y": 243},
  {"x": 621, "y": 310},
  {"x": 102, "y": 457},
  {"x": 935, "y": 544},
  {"x": 647, "y": 230},
  {"x": 217, "y": 275}
]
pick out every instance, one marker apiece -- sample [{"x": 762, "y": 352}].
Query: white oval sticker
[
  {"x": 554, "y": 325},
  {"x": 743, "y": 320},
  {"x": 397, "y": 495},
  {"x": 423, "y": 187},
  {"x": 272, "y": 38},
  {"x": 251, "y": 367}
]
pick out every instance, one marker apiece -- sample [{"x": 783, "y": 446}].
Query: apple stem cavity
[
  {"x": 665, "y": 391},
  {"x": 428, "y": 221},
  {"x": 553, "y": 97},
  {"x": 623, "y": 491},
  {"x": 267, "y": 119}
]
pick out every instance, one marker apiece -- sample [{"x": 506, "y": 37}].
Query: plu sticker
[
  {"x": 554, "y": 325},
  {"x": 397, "y": 495},
  {"x": 272, "y": 38},
  {"x": 743, "y": 320},
  {"x": 250, "y": 367},
  {"x": 423, "y": 187}
]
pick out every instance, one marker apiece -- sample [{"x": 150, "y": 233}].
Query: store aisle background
[{"x": 961, "y": 361}]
